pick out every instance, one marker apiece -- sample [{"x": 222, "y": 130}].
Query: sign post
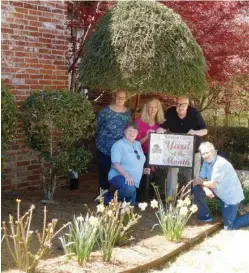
[{"x": 171, "y": 150}]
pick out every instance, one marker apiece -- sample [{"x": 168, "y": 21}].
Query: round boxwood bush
[
  {"x": 56, "y": 124},
  {"x": 9, "y": 119},
  {"x": 143, "y": 46}
]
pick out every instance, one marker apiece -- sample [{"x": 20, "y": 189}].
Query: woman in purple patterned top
[{"x": 111, "y": 122}]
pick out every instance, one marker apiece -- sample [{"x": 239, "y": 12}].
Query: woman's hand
[
  {"x": 146, "y": 170},
  {"x": 161, "y": 130},
  {"x": 150, "y": 131},
  {"x": 129, "y": 180}
]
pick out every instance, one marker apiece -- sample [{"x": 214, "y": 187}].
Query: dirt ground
[{"x": 143, "y": 244}]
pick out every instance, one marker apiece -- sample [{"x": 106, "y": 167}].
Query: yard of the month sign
[{"x": 171, "y": 150}]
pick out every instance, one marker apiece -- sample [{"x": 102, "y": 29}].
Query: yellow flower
[{"x": 18, "y": 200}]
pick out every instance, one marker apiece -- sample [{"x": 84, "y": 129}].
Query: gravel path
[{"x": 225, "y": 252}]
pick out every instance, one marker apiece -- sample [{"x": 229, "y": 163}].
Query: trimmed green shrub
[
  {"x": 56, "y": 122},
  {"x": 143, "y": 46},
  {"x": 9, "y": 120},
  {"x": 230, "y": 139},
  {"x": 231, "y": 143}
]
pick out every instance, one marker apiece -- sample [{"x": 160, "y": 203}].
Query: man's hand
[
  {"x": 161, "y": 130},
  {"x": 198, "y": 181},
  {"x": 191, "y": 132},
  {"x": 129, "y": 180},
  {"x": 208, "y": 192},
  {"x": 210, "y": 184}
]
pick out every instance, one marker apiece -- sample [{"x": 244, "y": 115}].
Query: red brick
[
  {"x": 18, "y": 15},
  {"x": 35, "y": 12},
  {"x": 47, "y": 35},
  {"x": 34, "y": 177},
  {"x": 45, "y": 19},
  {"x": 36, "y": 76},
  {"x": 22, "y": 76},
  {"x": 42, "y": 8},
  {"x": 46, "y": 72},
  {"x": 45, "y": 50},
  {"x": 44, "y": 82},
  {"x": 31, "y": 81},
  {"x": 23, "y": 163},
  {"x": 21, "y": 54},
  {"x": 34, "y": 167},
  {"x": 35, "y": 23},
  {"x": 47, "y": 77},
  {"x": 7, "y": 30},
  {"x": 36, "y": 87},
  {"x": 17, "y": 26},
  {"x": 21, "y": 10},
  {"x": 31, "y": 18},
  {"x": 32, "y": 28},
  {"x": 5, "y": 47},
  {"x": 23, "y": 185},
  {"x": 17, "y": 4},
  {"x": 30, "y": 6},
  {"x": 21, "y": 21},
  {"x": 9, "y": 187},
  {"x": 62, "y": 78}
]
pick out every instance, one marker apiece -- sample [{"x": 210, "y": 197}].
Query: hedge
[{"x": 231, "y": 143}]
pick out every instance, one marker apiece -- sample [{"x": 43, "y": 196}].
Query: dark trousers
[
  {"x": 104, "y": 166},
  {"x": 141, "y": 192}
]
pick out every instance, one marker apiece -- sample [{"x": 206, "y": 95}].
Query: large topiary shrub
[
  {"x": 56, "y": 122},
  {"x": 143, "y": 46},
  {"x": 8, "y": 119}
]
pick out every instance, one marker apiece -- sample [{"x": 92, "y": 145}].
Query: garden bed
[{"x": 142, "y": 245}]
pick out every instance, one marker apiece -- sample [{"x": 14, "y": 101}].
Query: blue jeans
[
  {"x": 125, "y": 192},
  {"x": 229, "y": 212},
  {"x": 104, "y": 166}
]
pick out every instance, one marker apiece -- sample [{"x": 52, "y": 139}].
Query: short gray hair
[{"x": 207, "y": 145}]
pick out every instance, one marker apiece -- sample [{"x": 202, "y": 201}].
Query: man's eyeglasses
[
  {"x": 138, "y": 156},
  {"x": 182, "y": 104}
]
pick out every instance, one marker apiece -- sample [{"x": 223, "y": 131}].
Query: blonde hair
[{"x": 160, "y": 113}]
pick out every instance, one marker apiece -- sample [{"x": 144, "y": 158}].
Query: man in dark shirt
[{"x": 184, "y": 119}]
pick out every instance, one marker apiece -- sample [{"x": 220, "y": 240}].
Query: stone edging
[{"x": 190, "y": 243}]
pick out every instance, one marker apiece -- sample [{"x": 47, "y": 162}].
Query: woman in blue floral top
[{"x": 111, "y": 122}]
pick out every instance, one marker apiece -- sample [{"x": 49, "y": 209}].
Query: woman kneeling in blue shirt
[
  {"x": 219, "y": 179},
  {"x": 127, "y": 159}
]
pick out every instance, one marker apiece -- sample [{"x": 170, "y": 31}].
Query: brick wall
[{"x": 34, "y": 57}]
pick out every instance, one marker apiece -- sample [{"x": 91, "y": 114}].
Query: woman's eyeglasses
[{"x": 138, "y": 156}]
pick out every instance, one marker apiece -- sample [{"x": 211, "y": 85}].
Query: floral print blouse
[{"x": 110, "y": 128}]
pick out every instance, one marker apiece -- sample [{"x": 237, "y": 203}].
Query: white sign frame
[{"x": 171, "y": 150}]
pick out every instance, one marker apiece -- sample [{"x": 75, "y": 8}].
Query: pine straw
[{"x": 226, "y": 251}]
